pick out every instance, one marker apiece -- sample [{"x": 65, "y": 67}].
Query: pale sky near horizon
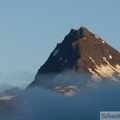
[{"x": 30, "y": 29}]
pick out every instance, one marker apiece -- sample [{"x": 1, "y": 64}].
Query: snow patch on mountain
[
  {"x": 66, "y": 61},
  {"x": 97, "y": 36},
  {"x": 117, "y": 69},
  {"x": 92, "y": 60},
  {"x": 110, "y": 56},
  {"x": 103, "y": 41},
  {"x": 106, "y": 71},
  {"x": 95, "y": 76},
  {"x": 55, "y": 52},
  {"x": 60, "y": 58}
]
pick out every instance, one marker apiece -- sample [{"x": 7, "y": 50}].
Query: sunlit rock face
[{"x": 81, "y": 51}]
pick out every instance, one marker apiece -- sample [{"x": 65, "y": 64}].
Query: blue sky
[{"x": 30, "y": 29}]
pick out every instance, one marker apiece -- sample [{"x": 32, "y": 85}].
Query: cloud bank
[
  {"x": 41, "y": 104},
  {"x": 44, "y": 104}
]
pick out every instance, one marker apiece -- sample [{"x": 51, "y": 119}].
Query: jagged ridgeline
[{"x": 81, "y": 51}]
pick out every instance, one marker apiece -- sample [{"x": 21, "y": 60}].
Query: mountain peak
[
  {"x": 83, "y": 51},
  {"x": 76, "y": 34},
  {"x": 79, "y": 32},
  {"x": 83, "y": 28},
  {"x": 84, "y": 31}
]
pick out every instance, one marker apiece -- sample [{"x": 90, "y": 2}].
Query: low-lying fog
[{"x": 43, "y": 104}]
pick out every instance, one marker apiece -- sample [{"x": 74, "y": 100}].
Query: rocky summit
[{"x": 81, "y": 51}]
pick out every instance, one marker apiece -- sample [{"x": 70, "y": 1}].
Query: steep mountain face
[{"x": 83, "y": 52}]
